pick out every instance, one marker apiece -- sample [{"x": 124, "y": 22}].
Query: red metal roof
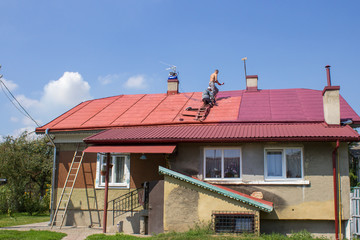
[
  {"x": 226, "y": 132},
  {"x": 131, "y": 149},
  {"x": 284, "y": 105}
]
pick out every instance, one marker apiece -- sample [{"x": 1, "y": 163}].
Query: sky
[{"x": 56, "y": 54}]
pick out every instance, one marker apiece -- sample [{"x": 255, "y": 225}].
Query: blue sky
[{"x": 55, "y": 54}]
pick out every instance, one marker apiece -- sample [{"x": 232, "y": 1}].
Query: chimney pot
[
  {"x": 173, "y": 84},
  {"x": 331, "y": 101},
  {"x": 328, "y": 75},
  {"x": 252, "y": 83}
]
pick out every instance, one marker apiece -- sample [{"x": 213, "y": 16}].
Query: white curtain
[{"x": 274, "y": 163}]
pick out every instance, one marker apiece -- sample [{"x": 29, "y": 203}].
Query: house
[{"x": 261, "y": 161}]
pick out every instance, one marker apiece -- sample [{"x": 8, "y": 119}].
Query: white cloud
[
  {"x": 30, "y": 130},
  {"x": 57, "y": 97},
  {"x": 105, "y": 80},
  {"x": 67, "y": 91},
  {"x": 27, "y": 102},
  {"x": 9, "y": 84},
  {"x": 136, "y": 82}
]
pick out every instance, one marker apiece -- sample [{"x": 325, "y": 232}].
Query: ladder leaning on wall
[{"x": 68, "y": 188}]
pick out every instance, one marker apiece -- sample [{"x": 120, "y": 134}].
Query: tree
[{"x": 26, "y": 164}]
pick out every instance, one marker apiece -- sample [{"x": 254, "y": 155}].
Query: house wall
[
  {"x": 86, "y": 200},
  {"x": 186, "y": 205},
  {"x": 308, "y": 200}
]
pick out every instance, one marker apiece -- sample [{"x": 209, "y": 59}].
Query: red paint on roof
[
  {"x": 226, "y": 132},
  {"x": 284, "y": 105}
]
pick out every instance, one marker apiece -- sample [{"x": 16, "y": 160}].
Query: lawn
[
  {"x": 21, "y": 219},
  {"x": 205, "y": 235},
  {"x": 30, "y": 235}
]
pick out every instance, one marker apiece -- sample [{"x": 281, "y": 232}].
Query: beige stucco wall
[
  {"x": 300, "y": 201},
  {"x": 186, "y": 205},
  {"x": 83, "y": 211}
]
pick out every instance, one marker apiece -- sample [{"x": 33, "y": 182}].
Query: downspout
[
  {"x": 106, "y": 191},
  {"x": 339, "y": 186},
  {"x": 335, "y": 190},
  {"x": 53, "y": 177}
]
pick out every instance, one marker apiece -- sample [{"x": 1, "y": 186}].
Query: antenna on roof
[
  {"x": 244, "y": 59},
  {"x": 173, "y": 74}
]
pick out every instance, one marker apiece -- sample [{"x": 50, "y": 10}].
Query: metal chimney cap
[{"x": 327, "y": 66}]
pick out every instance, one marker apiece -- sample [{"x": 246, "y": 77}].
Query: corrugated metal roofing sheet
[
  {"x": 226, "y": 132},
  {"x": 284, "y": 105}
]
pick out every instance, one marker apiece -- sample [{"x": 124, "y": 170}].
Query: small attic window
[{"x": 234, "y": 222}]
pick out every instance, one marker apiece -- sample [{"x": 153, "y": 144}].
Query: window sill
[{"x": 266, "y": 182}]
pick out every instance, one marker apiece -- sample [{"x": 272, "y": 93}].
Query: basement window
[
  {"x": 234, "y": 222},
  {"x": 222, "y": 163},
  {"x": 283, "y": 163},
  {"x": 119, "y": 173}
]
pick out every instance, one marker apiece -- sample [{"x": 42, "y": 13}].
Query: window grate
[{"x": 234, "y": 222}]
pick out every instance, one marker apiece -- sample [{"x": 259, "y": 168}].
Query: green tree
[{"x": 26, "y": 164}]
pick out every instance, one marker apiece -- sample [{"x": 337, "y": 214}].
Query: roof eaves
[{"x": 212, "y": 188}]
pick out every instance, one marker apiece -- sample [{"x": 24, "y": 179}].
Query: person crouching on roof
[
  {"x": 208, "y": 97},
  {"x": 213, "y": 80}
]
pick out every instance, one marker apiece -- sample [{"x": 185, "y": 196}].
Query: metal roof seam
[
  {"x": 101, "y": 110},
  {"x": 162, "y": 100},
  {"x": 82, "y": 103},
  {"x": 128, "y": 109}
]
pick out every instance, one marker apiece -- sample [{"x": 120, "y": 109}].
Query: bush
[
  {"x": 26, "y": 164},
  {"x": 4, "y": 199}
]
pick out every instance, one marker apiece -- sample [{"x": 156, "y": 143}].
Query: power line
[{"x": 24, "y": 112}]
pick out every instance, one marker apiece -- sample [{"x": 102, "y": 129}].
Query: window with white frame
[
  {"x": 222, "y": 163},
  {"x": 283, "y": 163},
  {"x": 119, "y": 172}
]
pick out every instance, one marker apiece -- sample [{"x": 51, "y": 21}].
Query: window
[
  {"x": 222, "y": 163},
  {"x": 283, "y": 163},
  {"x": 233, "y": 222},
  {"x": 119, "y": 174}
]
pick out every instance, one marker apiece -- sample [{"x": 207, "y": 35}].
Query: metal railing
[{"x": 129, "y": 202}]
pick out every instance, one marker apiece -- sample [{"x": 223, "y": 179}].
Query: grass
[
  {"x": 205, "y": 234},
  {"x": 30, "y": 235},
  {"x": 21, "y": 219}
]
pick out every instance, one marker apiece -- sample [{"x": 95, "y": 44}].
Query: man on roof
[
  {"x": 208, "y": 97},
  {"x": 213, "y": 80}
]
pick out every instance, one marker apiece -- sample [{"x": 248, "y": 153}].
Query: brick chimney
[
  {"x": 331, "y": 101},
  {"x": 173, "y": 84},
  {"x": 252, "y": 83}
]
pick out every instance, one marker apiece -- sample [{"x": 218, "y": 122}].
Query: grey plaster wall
[{"x": 312, "y": 200}]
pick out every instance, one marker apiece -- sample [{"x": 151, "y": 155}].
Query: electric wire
[
  {"x": 2, "y": 88},
  {"x": 24, "y": 112}
]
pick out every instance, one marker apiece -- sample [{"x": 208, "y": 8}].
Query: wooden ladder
[
  {"x": 69, "y": 185},
  {"x": 200, "y": 113}
]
